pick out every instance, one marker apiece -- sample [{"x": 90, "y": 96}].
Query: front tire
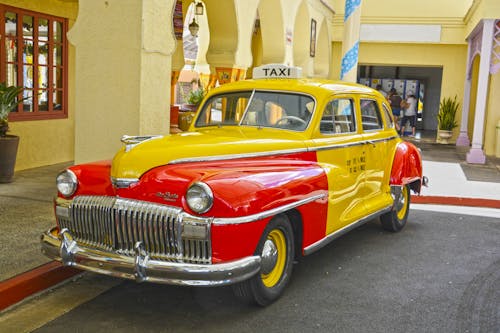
[
  {"x": 395, "y": 220},
  {"x": 276, "y": 249}
]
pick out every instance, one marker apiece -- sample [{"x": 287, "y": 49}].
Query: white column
[
  {"x": 476, "y": 154},
  {"x": 463, "y": 137},
  {"x": 350, "y": 43}
]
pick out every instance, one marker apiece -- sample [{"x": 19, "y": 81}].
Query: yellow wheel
[
  {"x": 273, "y": 258},
  {"x": 395, "y": 220},
  {"x": 401, "y": 205},
  {"x": 276, "y": 250}
]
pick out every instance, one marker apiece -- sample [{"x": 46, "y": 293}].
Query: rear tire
[
  {"x": 395, "y": 220},
  {"x": 276, "y": 248}
]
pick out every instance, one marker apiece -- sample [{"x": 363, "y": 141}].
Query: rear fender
[{"x": 407, "y": 167}]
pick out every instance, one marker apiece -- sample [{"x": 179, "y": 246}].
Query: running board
[{"x": 334, "y": 235}]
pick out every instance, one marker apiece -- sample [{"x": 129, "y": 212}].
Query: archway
[
  {"x": 473, "y": 94},
  {"x": 272, "y": 27},
  {"x": 322, "y": 56},
  {"x": 302, "y": 38}
]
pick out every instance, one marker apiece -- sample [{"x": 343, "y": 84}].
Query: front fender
[{"x": 407, "y": 166}]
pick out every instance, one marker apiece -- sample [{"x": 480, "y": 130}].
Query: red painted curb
[
  {"x": 455, "y": 201},
  {"x": 26, "y": 284}
]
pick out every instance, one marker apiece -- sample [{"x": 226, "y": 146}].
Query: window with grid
[
  {"x": 34, "y": 56},
  {"x": 338, "y": 117}
]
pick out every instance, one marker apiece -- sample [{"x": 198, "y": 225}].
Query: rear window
[{"x": 370, "y": 115}]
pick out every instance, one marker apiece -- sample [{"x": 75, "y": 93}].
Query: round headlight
[
  {"x": 66, "y": 183},
  {"x": 199, "y": 197}
]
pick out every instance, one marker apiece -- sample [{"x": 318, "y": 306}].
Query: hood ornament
[{"x": 131, "y": 141}]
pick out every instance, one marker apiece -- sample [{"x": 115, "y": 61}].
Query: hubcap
[
  {"x": 273, "y": 258},
  {"x": 269, "y": 257}
]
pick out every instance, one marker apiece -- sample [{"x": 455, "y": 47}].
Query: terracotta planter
[
  {"x": 444, "y": 136},
  {"x": 8, "y": 154}
]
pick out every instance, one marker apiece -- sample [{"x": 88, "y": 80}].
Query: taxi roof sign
[{"x": 276, "y": 71}]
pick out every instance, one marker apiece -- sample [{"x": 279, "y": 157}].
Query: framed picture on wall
[{"x": 312, "y": 47}]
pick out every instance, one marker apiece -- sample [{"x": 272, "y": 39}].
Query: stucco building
[{"x": 95, "y": 70}]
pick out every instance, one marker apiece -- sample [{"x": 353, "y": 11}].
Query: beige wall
[
  {"x": 448, "y": 14},
  {"x": 420, "y": 9},
  {"x": 44, "y": 142},
  {"x": 481, "y": 9},
  {"x": 123, "y": 64},
  {"x": 122, "y": 76},
  {"x": 491, "y": 140}
]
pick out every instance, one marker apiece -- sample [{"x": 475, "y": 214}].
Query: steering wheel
[{"x": 293, "y": 118}]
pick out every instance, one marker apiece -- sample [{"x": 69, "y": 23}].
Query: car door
[
  {"x": 340, "y": 152},
  {"x": 377, "y": 139}
]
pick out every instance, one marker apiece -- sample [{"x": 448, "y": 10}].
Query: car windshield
[{"x": 258, "y": 108}]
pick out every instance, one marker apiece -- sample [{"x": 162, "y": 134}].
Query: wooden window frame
[{"x": 36, "y": 114}]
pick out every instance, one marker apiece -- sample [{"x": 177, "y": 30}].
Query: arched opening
[
  {"x": 302, "y": 36},
  {"x": 272, "y": 27},
  {"x": 322, "y": 56},
  {"x": 195, "y": 40},
  {"x": 256, "y": 46}
]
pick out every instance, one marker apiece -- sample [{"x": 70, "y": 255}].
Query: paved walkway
[{"x": 26, "y": 210}]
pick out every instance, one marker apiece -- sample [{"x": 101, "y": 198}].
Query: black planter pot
[{"x": 8, "y": 154}]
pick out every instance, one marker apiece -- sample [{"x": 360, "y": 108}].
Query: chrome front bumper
[{"x": 62, "y": 247}]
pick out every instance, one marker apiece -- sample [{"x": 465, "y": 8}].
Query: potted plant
[
  {"x": 196, "y": 96},
  {"x": 194, "y": 99},
  {"x": 446, "y": 118},
  {"x": 8, "y": 143}
]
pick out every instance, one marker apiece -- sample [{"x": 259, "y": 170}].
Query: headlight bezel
[
  {"x": 193, "y": 197},
  {"x": 68, "y": 178}
]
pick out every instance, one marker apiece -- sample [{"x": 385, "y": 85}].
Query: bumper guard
[{"x": 62, "y": 247}]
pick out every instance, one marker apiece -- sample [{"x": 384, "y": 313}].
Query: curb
[
  {"x": 26, "y": 284},
  {"x": 455, "y": 201}
]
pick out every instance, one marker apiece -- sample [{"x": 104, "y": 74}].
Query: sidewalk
[
  {"x": 452, "y": 181},
  {"x": 26, "y": 211}
]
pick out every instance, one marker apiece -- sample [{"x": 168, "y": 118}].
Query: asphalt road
[{"x": 440, "y": 274}]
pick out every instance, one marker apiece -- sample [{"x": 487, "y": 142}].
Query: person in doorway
[
  {"x": 410, "y": 114},
  {"x": 395, "y": 101},
  {"x": 380, "y": 90}
]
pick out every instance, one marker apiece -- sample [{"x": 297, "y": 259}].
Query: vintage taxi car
[{"x": 271, "y": 169}]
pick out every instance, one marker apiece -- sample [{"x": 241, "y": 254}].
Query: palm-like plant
[
  {"x": 446, "y": 116},
  {"x": 8, "y": 101},
  {"x": 196, "y": 96}
]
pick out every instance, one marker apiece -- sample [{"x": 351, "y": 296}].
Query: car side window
[
  {"x": 388, "y": 116},
  {"x": 338, "y": 117},
  {"x": 370, "y": 115}
]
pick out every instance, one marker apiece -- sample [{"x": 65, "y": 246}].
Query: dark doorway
[{"x": 430, "y": 78}]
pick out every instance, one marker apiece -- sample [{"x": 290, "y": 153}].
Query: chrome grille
[{"x": 116, "y": 224}]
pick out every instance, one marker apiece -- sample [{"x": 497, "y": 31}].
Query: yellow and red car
[{"x": 271, "y": 169}]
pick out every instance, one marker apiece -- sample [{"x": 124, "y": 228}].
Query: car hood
[{"x": 132, "y": 161}]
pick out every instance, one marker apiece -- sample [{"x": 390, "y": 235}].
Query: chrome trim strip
[
  {"x": 237, "y": 156},
  {"x": 346, "y": 145},
  {"x": 267, "y": 213},
  {"x": 334, "y": 235},
  {"x": 276, "y": 152},
  {"x": 123, "y": 182},
  {"x": 359, "y": 143},
  {"x": 141, "y": 267}
]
